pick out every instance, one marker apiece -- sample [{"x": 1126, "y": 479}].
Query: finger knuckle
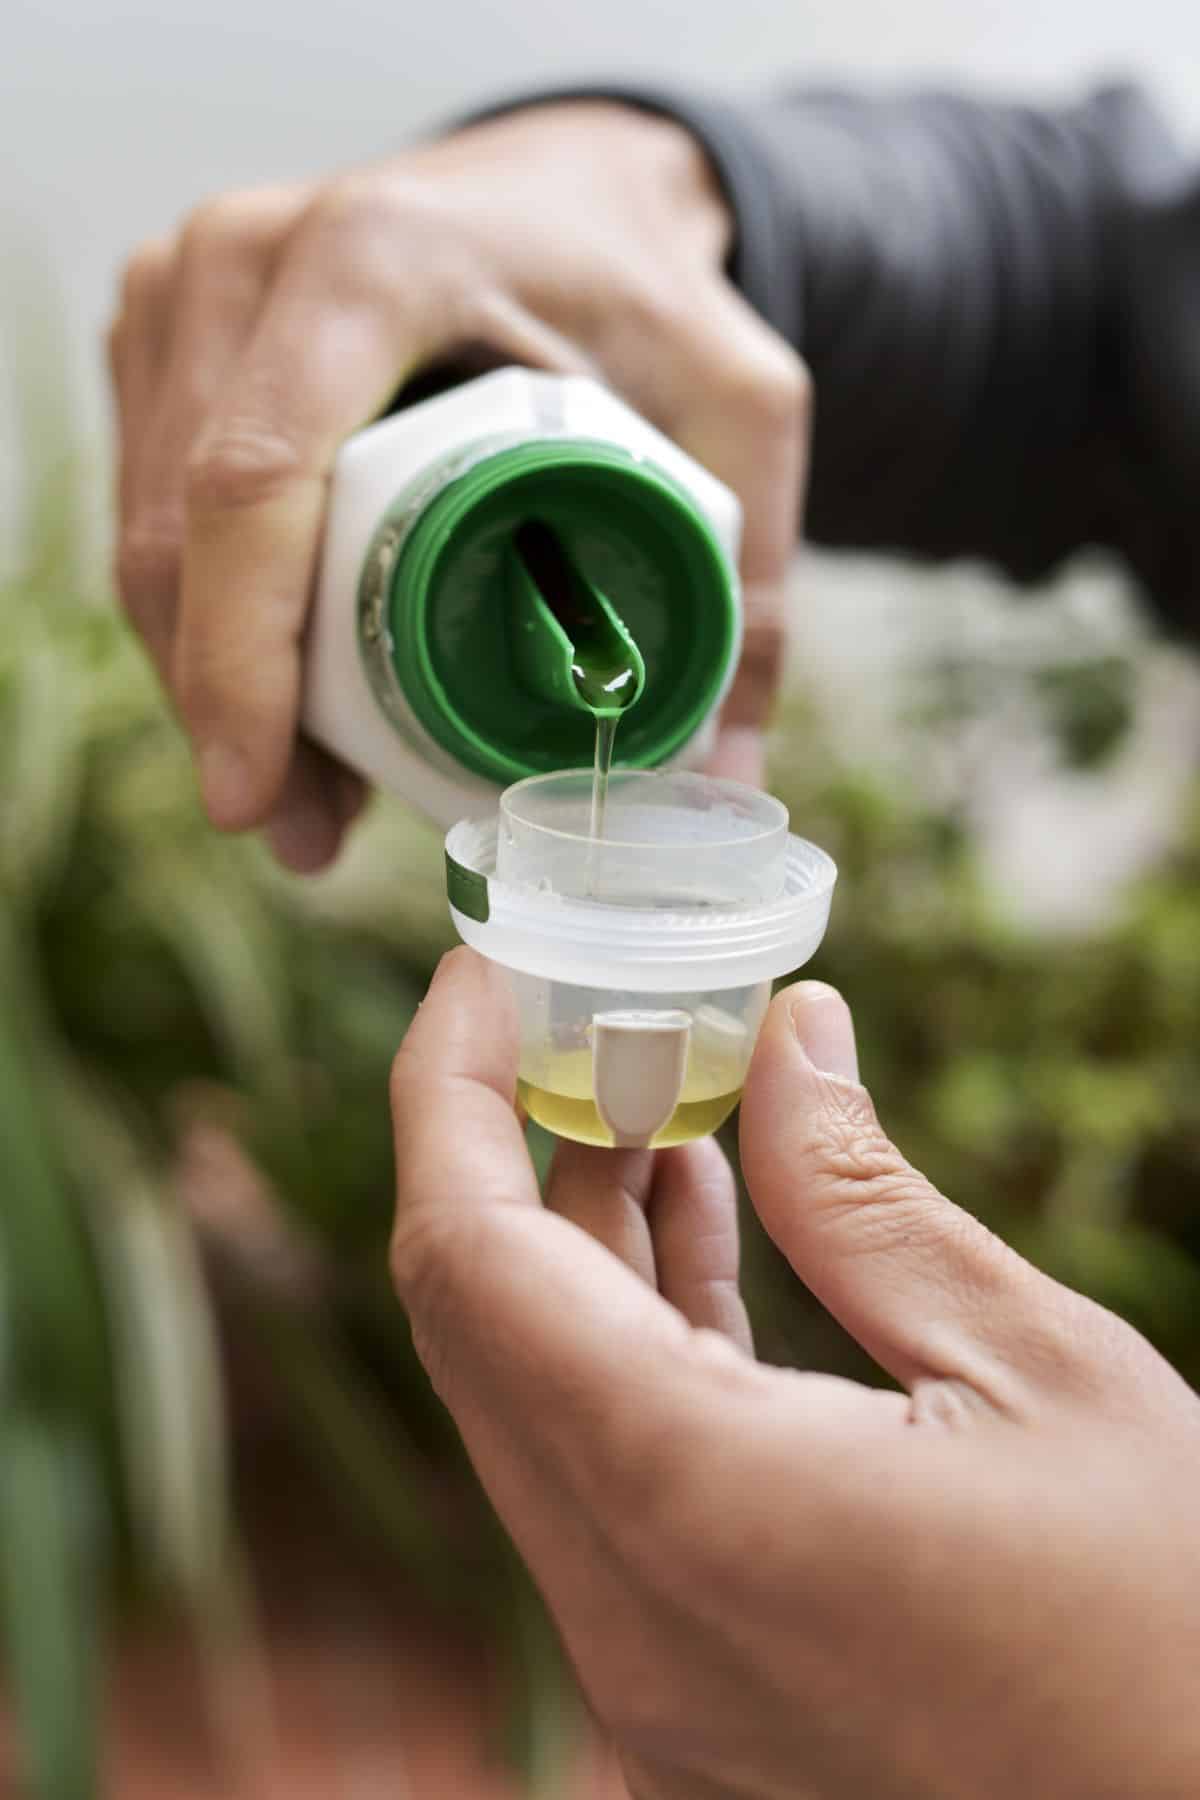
[
  {"x": 432, "y": 1256},
  {"x": 471, "y": 306},
  {"x": 771, "y": 388},
  {"x": 418, "y": 1260},
  {"x": 212, "y": 227},
  {"x": 147, "y": 563},
  {"x": 365, "y": 205},
  {"x": 237, "y": 226},
  {"x": 143, "y": 276},
  {"x": 858, "y": 1177},
  {"x": 346, "y": 204},
  {"x": 856, "y": 1165},
  {"x": 653, "y": 309},
  {"x": 240, "y": 463},
  {"x": 376, "y": 231},
  {"x": 718, "y": 1361}
]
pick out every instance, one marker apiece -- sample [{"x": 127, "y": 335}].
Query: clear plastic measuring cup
[
  {"x": 642, "y": 963},
  {"x": 669, "y": 839}
]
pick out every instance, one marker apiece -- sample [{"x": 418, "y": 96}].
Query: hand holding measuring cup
[
  {"x": 778, "y": 1584},
  {"x": 641, "y": 961}
]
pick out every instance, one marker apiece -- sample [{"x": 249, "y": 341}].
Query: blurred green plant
[{"x": 153, "y": 974}]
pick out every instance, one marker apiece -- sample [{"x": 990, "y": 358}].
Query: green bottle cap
[{"x": 535, "y": 551}]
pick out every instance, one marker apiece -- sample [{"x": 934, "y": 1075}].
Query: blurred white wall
[{"x": 116, "y": 116}]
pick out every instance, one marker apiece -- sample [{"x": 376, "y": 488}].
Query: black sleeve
[{"x": 1000, "y": 307}]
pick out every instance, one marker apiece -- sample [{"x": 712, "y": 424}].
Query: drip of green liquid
[
  {"x": 606, "y": 737},
  {"x": 606, "y": 667},
  {"x": 606, "y": 688},
  {"x": 606, "y": 685}
]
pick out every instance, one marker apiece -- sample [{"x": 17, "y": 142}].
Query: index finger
[
  {"x": 555, "y": 1359},
  {"x": 342, "y": 327}
]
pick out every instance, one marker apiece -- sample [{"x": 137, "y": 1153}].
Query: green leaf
[
  {"x": 359, "y": 1449},
  {"x": 545, "y": 1718},
  {"x": 50, "y": 1595},
  {"x": 222, "y": 934},
  {"x": 42, "y": 751},
  {"x": 56, "y": 1338},
  {"x": 168, "y": 1389}
]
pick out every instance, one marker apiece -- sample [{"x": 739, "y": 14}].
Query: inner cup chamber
[
  {"x": 673, "y": 840},
  {"x": 621, "y": 1067}
]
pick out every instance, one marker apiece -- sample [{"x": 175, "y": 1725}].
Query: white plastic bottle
[{"x": 435, "y": 664}]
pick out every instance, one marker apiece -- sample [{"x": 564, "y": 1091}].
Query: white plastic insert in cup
[
  {"x": 669, "y": 839},
  {"x": 639, "y": 1002}
]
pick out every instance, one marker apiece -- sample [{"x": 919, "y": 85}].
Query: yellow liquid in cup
[{"x": 561, "y": 1099}]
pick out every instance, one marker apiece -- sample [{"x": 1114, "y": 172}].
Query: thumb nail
[{"x": 824, "y": 1028}]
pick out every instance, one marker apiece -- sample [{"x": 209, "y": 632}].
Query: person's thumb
[{"x": 923, "y": 1286}]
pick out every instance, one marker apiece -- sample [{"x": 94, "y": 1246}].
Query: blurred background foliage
[{"x": 195, "y": 1148}]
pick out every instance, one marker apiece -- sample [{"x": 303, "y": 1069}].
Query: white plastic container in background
[
  {"x": 411, "y": 675},
  {"x": 641, "y": 965}
]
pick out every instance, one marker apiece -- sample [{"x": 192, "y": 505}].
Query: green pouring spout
[{"x": 569, "y": 644}]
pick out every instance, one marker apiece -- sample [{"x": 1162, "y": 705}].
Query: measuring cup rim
[{"x": 734, "y": 791}]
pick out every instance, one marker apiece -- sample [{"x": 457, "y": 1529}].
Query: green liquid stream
[
  {"x": 605, "y": 666},
  {"x": 606, "y": 688}
]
